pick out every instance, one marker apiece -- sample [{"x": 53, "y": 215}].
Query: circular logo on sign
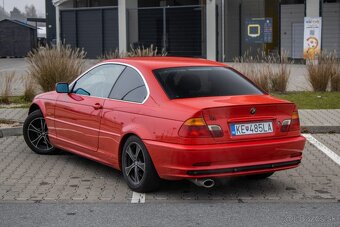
[{"x": 253, "y": 110}]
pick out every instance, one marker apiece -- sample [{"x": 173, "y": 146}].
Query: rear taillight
[
  {"x": 292, "y": 124},
  {"x": 295, "y": 124},
  {"x": 196, "y": 127}
]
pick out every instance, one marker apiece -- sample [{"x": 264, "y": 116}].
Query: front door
[{"x": 78, "y": 114}]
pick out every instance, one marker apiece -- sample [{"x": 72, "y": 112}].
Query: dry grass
[
  {"x": 134, "y": 52},
  {"x": 145, "y": 52},
  {"x": 112, "y": 55},
  {"x": 51, "y": 64},
  {"x": 29, "y": 89},
  {"x": 335, "y": 80},
  {"x": 321, "y": 72},
  {"x": 7, "y": 87},
  {"x": 270, "y": 72},
  {"x": 279, "y": 77}
]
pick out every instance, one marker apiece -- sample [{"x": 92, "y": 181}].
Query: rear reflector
[
  {"x": 285, "y": 125},
  {"x": 215, "y": 130}
]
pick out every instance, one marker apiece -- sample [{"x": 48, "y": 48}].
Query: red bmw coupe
[{"x": 168, "y": 118}]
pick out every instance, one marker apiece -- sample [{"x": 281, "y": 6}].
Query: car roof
[{"x": 165, "y": 62}]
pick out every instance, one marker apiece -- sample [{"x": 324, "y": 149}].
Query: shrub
[
  {"x": 320, "y": 73},
  {"x": 134, "y": 52},
  {"x": 51, "y": 64},
  {"x": 6, "y": 89}
]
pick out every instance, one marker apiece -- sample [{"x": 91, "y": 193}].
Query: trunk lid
[{"x": 236, "y": 110}]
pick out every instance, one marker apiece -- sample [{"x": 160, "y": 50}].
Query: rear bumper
[{"x": 175, "y": 161}]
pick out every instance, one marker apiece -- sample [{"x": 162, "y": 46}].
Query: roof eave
[{"x": 59, "y": 2}]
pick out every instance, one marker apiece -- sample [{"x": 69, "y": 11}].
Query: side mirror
[{"x": 62, "y": 88}]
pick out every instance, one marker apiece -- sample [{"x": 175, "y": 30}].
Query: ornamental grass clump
[
  {"x": 269, "y": 72},
  {"x": 51, "y": 64},
  {"x": 145, "y": 52},
  {"x": 335, "y": 80},
  {"x": 139, "y": 51},
  {"x": 253, "y": 68},
  {"x": 321, "y": 72},
  {"x": 6, "y": 88},
  {"x": 29, "y": 89},
  {"x": 279, "y": 75}
]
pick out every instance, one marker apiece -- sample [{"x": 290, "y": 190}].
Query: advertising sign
[
  {"x": 259, "y": 30},
  {"x": 312, "y": 37}
]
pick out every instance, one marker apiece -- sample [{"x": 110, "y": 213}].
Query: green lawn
[
  {"x": 312, "y": 100},
  {"x": 304, "y": 100},
  {"x": 19, "y": 102}
]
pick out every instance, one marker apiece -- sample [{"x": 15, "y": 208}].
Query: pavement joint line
[
  {"x": 138, "y": 197},
  {"x": 331, "y": 154}
]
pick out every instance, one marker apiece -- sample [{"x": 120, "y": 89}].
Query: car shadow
[{"x": 231, "y": 188}]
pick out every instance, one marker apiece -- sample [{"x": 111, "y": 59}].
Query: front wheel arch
[{"x": 33, "y": 108}]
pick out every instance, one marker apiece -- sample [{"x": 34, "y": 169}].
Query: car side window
[
  {"x": 129, "y": 87},
  {"x": 99, "y": 81}
]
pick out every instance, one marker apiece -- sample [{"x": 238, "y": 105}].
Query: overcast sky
[{"x": 20, "y": 4}]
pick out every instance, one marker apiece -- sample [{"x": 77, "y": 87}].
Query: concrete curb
[
  {"x": 17, "y": 131},
  {"x": 320, "y": 129}
]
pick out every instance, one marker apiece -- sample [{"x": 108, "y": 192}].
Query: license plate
[{"x": 251, "y": 128}]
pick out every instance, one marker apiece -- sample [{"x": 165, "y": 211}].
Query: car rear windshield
[{"x": 191, "y": 82}]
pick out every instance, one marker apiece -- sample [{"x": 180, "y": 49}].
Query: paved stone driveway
[{"x": 25, "y": 176}]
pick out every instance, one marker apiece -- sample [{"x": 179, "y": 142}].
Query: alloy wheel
[
  {"x": 37, "y": 133},
  {"x": 135, "y": 163}
]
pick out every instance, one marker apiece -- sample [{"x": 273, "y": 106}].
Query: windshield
[{"x": 191, "y": 82}]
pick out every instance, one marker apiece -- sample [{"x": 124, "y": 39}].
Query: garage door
[
  {"x": 297, "y": 45},
  {"x": 95, "y": 30},
  {"x": 331, "y": 27},
  {"x": 177, "y": 30},
  {"x": 292, "y": 15}
]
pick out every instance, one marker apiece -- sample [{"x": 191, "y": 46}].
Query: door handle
[{"x": 97, "y": 106}]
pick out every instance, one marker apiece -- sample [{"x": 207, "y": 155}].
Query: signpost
[
  {"x": 312, "y": 38},
  {"x": 259, "y": 30}
]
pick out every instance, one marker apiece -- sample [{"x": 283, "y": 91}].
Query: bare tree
[
  {"x": 3, "y": 14},
  {"x": 17, "y": 14},
  {"x": 31, "y": 11}
]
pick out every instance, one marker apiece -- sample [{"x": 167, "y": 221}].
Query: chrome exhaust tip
[{"x": 206, "y": 183}]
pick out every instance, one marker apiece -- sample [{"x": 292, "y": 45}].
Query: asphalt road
[{"x": 173, "y": 214}]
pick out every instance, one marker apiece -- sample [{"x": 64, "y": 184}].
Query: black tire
[
  {"x": 260, "y": 176},
  {"x": 134, "y": 154},
  {"x": 36, "y": 134}
]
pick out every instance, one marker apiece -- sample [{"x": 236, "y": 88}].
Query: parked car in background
[{"x": 168, "y": 118}]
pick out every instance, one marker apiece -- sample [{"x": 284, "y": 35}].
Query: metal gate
[
  {"x": 179, "y": 30},
  {"x": 94, "y": 30}
]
